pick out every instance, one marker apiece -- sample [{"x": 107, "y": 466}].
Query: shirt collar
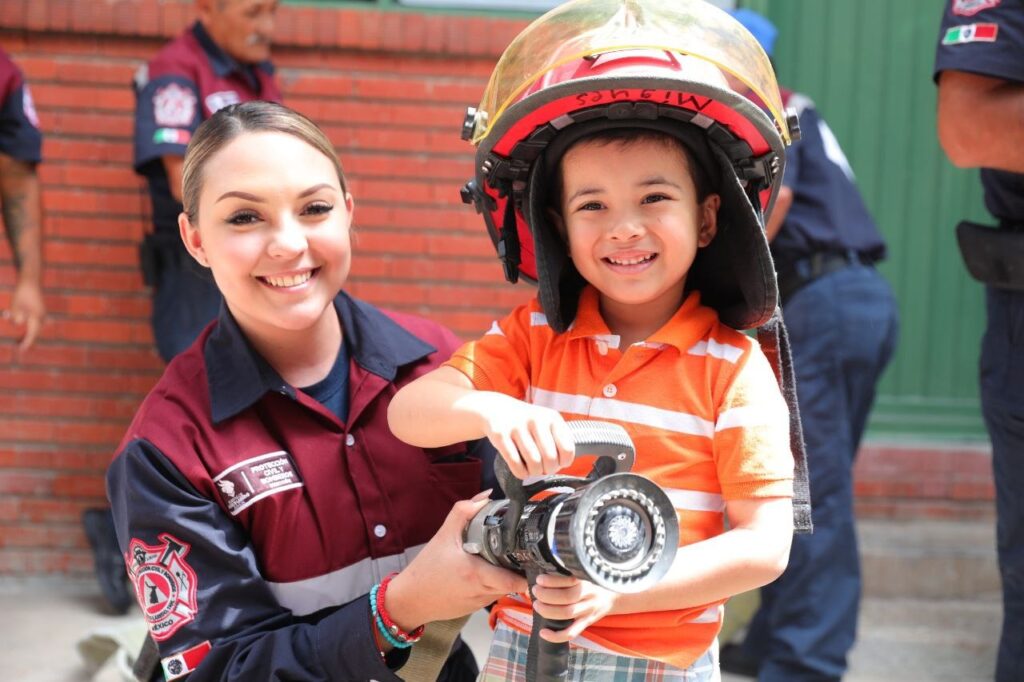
[
  {"x": 223, "y": 63},
  {"x": 238, "y": 376},
  {"x": 688, "y": 325}
]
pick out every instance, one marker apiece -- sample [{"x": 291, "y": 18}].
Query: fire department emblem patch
[
  {"x": 174, "y": 106},
  {"x": 165, "y": 585},
  {"x": 968, "y": 8}
]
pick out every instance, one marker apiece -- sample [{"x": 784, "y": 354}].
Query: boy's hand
[
  {"x": 563, "y": 597},
  {"x": 534, "y": 441}
]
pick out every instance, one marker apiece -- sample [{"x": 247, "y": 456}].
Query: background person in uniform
[
  {"x": 843, "y": 323},
  {"x": 223, "y": 58},
  {"x": 979, "y": 68},
  {"x": 20, "y": 151}
]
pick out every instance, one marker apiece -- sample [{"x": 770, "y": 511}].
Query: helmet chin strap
[
  {"x": 508, "y": 240},
  {"x": 774, "y": 342}
]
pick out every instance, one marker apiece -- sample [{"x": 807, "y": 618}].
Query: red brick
[
  {"x": 26, "y": 483},
  {"x": 43, "y": 536},
  {"x": 92, "y": 459},
  {"x": 79, "y": 486},
  {"x": 50, "y": 511},
  {"x": 100, "y": 382}
]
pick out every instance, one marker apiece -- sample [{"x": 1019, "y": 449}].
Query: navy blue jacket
[{"x": 254, "y": 522}]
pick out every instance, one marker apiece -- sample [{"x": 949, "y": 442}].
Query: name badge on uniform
[{"x": 256, "y": 478}]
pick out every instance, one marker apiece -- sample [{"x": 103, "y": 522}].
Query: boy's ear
[
  {"x": 556, "y": 219},
  {"x": 708, "y": 219},
  {"x": 193, "y": 240}
]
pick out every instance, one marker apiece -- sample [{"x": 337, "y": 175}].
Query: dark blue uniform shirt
[
  {"x": 186, "y": 83},
  {"x": 828, "y": 213},
  {"x": 987, "y": 38},
  {"x": 19, "y": 126}
]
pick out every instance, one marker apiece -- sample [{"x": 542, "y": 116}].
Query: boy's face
[{"x": 633, "y": 224}]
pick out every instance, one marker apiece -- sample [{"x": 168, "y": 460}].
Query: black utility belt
[
  {"x": 799, "y": 273},
  {"x": 993, "y": 255}
]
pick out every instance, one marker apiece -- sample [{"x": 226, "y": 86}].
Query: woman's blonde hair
[{"x": 247, "y": 117}]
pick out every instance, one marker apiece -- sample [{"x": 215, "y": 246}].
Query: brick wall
[{"x": 389, "y": 88}]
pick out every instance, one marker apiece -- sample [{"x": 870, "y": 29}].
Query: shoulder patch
[
  {"x": 968, "y": 8},
  {"x": 216, "y": 101},
  {"x": 165, "y": 585},
  {"x": 245, "y": 483},
  {"x": 971, "y": 33},
  {"x": 174, "y": 106}
]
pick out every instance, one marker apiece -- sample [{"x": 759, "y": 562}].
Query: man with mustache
[{"x": 221, "y": 59}]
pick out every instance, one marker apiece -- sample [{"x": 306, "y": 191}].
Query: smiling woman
[
  {"x": 275, "y": 236},
  {"x": 259, "y": 497}
]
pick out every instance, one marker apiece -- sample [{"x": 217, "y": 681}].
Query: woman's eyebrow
[
  {"x": 240, "y": 195},
  {"x": 316, "y": 188},
  {"x": 252, "y": 197}
]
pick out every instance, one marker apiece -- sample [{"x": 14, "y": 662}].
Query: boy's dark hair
[{"x": 627, "y": 137}]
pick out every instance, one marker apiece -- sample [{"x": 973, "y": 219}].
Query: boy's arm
[
  {"x": 442, "y": 407},
  {"x": 752, "y": 553}
]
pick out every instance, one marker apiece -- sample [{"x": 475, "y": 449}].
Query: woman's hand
[
  {"x": 563, "y": 597},
  {"x": 533, "y": 441},
  {"x": 444, "y": 581}
]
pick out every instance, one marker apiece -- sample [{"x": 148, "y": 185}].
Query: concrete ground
[{"x": 931, "y": 613}]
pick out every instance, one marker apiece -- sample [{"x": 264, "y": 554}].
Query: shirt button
[
  {"x": 380, "y": 530},
  {"x": 610, "y": 391},
  {"x": 350, "y": 440}
]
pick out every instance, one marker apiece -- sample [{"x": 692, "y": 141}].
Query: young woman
[{"x": 272, "y": 526}]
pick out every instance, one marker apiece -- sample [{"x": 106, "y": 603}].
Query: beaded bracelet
[
  {"x": 381, "y": 628},
  {"x": 387, "y": 626}
]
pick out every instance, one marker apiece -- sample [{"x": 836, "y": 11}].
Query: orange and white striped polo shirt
[{"x": 705, "y": 413}]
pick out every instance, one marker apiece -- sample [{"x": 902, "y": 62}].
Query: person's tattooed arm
[{"x": 23, "y": 223}]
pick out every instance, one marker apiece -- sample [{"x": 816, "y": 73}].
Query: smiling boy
[{"x": 630, "y": 183}]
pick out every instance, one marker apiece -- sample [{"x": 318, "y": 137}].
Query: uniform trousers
[
  {"x": 1002, "y": 404},
  {"x": 185, "y": 300},
  {"x": 843, "y": 328}
]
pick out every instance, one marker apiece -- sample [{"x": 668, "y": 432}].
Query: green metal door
[{"x": 867, "y": 64}]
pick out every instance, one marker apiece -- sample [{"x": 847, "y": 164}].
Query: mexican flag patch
[{"x": 971, "y": 33}]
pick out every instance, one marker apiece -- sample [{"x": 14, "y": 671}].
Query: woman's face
[{"x": 273, "y": 226}]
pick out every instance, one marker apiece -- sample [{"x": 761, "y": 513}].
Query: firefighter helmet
[{"x": 676, "y": 67}]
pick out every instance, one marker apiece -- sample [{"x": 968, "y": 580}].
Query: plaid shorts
[{"x": 506, "y": 662}]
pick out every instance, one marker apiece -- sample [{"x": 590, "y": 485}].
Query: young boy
[{"x": 617, "y": 185}]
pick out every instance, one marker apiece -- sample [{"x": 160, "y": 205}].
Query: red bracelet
[
  {"x": 410, "y": 637},
  {"x": 376, "y": 637}
]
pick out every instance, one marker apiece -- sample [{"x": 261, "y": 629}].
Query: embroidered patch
[
  {"x": 968, "y": 8},
  {"x": 183, "y": 663},
  {"x": 164, "y": 584},
  {"x": 171, "y": 136},
  {"x": 218, "y": 100},
  {"x": 28, "y": 105},
  {"x": 971, "y": 33},
  {"x": 248, "y": 482},
  {"x": 174, "y": 106}
]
